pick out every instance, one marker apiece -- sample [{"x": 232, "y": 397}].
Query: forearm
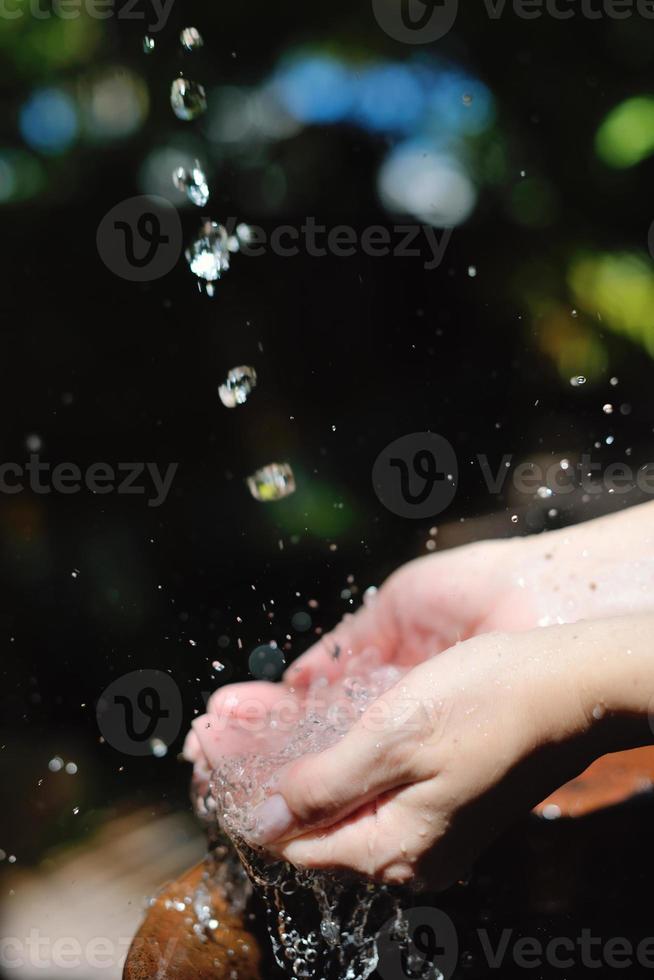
[{"x": 601, "y": 684}]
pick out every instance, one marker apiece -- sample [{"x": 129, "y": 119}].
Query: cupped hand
[
  {"x": 602, "y": 568},
  {"x": 458, "y": 749}
]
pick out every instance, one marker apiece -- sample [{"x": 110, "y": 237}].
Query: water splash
[{"x": 323, "y": 925}]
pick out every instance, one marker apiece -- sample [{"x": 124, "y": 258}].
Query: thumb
[{"x": 324, "y": 788}]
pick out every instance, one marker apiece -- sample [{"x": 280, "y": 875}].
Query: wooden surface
[{"x": 167, "y": 948}]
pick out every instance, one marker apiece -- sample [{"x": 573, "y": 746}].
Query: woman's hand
[
  {"x": 463, "y": 745},
  {"x": 602, "y": 568}
]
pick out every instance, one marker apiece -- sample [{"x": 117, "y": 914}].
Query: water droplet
[
  {"x": 301, "y": 622},
  {"x": 148, "y": 44},
  {"x": 187, "y": 99},
  {"x": 467, "y": 98},
  {"x": 208, "y": 256},
  {"x": 238, "y": 386},
  {"x": 218, "y": 666},
  {"x": 244, "y": 233},
  {"x": 56, "y": 764},
  {"x": 514, "y": 518},
  {"x": 159, "y": 749},
  {"x": 71, "y": 768},
  {"x": 75, "y": 810},
  {"x": 273, "y": 482},
  {"x": 193, "y": 183},
  {"x": 544, "y": 492},
  {"x": 34, "y": 442},
  {"x": 191, "y": 38},
  {"x": 579, "y": 379},
  {"x": 608, "y": 409},
  {"x": 613, "y": 382},
  {"x": 266, "y": 663}
]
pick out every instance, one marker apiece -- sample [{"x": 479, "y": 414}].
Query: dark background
[{"x": 107, "y": 370}]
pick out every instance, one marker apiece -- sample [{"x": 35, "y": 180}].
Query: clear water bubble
[
  {"x": 158, "y": 748},
  {"x": 301, "y": 621},
  {"x": 272, "y": 482},
  {"x": 193, "y": 183},
  {"x": 238, "y": 386},
  {"x": 191, "y": 39},
  {"x": 188, "y": 99},
  {"x": 148, "y": 44},
  {"x": 244, "y": 233},
  {"x": 208, "y": 256},
  {"x": 577, "y": 380},
  {"x": 266, "y": 663}
]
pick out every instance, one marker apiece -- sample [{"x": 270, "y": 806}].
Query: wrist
[{"x": 617, "y": 681}]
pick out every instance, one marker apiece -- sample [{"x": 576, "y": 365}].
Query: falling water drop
[
  {"x": 148, "y": 44},
  {"x": 187, "y": 99},
  {"x": 193, "y": 183},
  {"x": 208, "y": 256},
  {"x": 238, "y": 386},
  {"x": 273, "y": 482},
  {"x": 191, "y": 39}
]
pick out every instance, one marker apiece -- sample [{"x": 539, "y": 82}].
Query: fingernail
[{"x": 273, "y": 820}]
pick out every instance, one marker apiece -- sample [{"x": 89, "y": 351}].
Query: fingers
[
  {"x": 370, "y": 626},
  {"x": 386, "y": 841},
  {"x": 236, "y": 700},
  {"x": 192, "y": 750},
  {"x": 322, "y": 789}
]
